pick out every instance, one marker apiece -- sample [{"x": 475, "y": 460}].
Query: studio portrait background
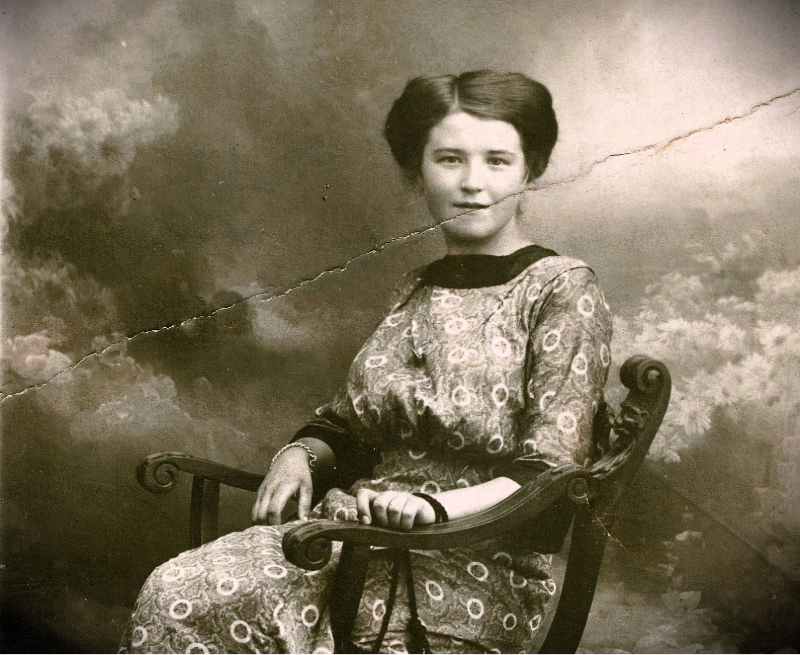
[{"x": 202, "y": 223}]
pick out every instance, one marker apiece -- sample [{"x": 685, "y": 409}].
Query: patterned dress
[{"x": 485, "y": 366}]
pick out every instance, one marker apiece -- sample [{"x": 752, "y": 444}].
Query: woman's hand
[
  {"x": 288, "y": 477},
  {"x": 393, "y": 509}
]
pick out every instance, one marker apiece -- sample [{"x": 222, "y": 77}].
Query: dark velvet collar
[{"x": 474, "y": 271}]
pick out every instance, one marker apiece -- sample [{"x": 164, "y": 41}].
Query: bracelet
[
  {"x": 438, "y": 508},
  {"x": 296, "y": 444}
]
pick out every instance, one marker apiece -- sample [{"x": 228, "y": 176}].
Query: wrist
[
  {"x": 325, "y": 463},
  {"x": 439, "y": 511},
  {"x": 296, "y": 449}
]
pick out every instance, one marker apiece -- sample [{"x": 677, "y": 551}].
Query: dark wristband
[{"x": 438, "y": 508}]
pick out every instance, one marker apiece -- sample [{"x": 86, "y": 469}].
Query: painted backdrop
[{"x": 201, "y": 224}]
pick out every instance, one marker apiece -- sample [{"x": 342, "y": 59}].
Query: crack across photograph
[
  {"x": 203, "y": 223},
  {"x": 101, "y": 141}
]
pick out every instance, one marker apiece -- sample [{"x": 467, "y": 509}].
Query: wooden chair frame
[{"x": 543, "y": 509}]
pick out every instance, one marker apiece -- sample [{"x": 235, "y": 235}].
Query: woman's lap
[
  {"x": 239, "y": 594},
  {"x": 236, "y": 594}
]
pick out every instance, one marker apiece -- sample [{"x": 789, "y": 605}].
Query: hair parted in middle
[{"x": 510, "y": 97}]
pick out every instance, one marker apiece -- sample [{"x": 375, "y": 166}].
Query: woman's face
[{"x": 474, "y": 168}]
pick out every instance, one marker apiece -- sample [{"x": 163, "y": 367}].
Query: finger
[
  {"x": 426, "y": 515},
  {"x": 379, "y": 505},
  {"x": 278, "y": 501},
  {"x": 409, "y": 514},
  {"x": 262, "y": 502},
  {"x": 363, "y": 499},
  {"x": 263, "y": 506},
  {"x": 256, "y": 506},
  {"x": 265, "y": 491},
  {"x": 394, "y": 510},
  {"x": 304, "y": 500}
]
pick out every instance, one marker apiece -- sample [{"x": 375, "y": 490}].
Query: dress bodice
[{"x": 458, "y": 385}]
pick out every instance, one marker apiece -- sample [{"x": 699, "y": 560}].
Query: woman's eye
[
  {"x": 448, "y": 159},
  {"x": 498, "y": 161}
]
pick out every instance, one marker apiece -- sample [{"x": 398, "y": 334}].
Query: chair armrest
[
  {"x": 308, "y": 545},
  {"x": 157, "y": 473},
  {"x": 634, "y": 427}
]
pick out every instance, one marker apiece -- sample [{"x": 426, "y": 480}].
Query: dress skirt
[{"x": 239, "y": 594}]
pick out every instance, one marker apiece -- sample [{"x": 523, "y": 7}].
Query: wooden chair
[{"x": 542, "y": 511}]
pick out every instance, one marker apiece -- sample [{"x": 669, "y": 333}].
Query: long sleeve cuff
[{"x": 353, "y": 460}]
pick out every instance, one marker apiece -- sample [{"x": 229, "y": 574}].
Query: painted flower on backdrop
[
  {"x": 694, "y": 414},
  {"x": 728, "y": 334}
]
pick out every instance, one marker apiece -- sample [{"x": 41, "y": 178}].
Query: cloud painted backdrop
[{"x": 165, "y": 160}]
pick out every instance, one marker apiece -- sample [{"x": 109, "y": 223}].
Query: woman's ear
[{"x": 522, "y": 203}]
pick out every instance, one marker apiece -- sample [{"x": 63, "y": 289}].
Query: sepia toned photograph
[{"x": 400, "y": 326}]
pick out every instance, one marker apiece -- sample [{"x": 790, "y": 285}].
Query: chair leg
[
  {"x": 210, "y": 513},
  {"x": 580, "y": 581},
  {"x": 203, "y": 511},
  {"x": 345, "y": 598}
]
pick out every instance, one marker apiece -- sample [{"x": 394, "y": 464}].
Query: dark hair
[{"x": 510, "y": 97}]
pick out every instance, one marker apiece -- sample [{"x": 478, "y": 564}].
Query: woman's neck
[{"x": 504, "y": 243}]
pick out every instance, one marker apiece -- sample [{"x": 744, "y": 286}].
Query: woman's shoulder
[
  {"x": 405, "y": 286},
  {"x": 555, "y": 271},
  {"x": 562, "y": 284},
  {"x": 567, "y": 285}
]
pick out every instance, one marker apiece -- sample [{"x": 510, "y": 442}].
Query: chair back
[{"x": 621, "y": 443}]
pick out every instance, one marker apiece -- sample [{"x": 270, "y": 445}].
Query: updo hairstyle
[{"x": 510, "y": 97}]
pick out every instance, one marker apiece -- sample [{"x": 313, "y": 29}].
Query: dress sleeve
[
  {"x": 333, "y": 425},
  {"x": 565, "y": 371},
  {"x": 336, "y": 423}
]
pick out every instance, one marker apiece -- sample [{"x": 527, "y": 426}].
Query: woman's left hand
[{"x": 393, "y": 509}]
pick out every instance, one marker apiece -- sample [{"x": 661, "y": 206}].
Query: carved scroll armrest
[
  {"x": 634, "y": 428},
  {"x": 309, "y": 545},
  {"x": 157, "y": 473}
]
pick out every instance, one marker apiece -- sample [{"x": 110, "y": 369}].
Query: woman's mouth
[{"x": 470, "y": 205}]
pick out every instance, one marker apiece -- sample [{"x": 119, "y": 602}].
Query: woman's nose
[{"x": 473, "y": 179}]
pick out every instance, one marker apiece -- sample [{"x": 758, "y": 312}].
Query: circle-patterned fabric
[{"x": 454, "y": 388}]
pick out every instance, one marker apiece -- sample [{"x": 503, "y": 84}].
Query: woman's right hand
[{"x": 288, "y": 477}]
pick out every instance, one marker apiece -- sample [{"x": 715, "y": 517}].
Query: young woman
[{"x": 488, "y": 369}]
